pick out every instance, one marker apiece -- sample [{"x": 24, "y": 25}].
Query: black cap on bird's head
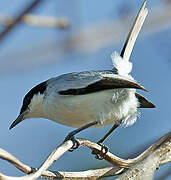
[{"x": 40, "y": 88}]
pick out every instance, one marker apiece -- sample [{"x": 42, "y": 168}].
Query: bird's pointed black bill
[{"x": 18, "y": 120}]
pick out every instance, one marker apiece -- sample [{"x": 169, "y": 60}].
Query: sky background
[{"x": 28, "y": 56}]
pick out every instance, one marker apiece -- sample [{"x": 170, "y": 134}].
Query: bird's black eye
[{"x": 40, "y": 88}]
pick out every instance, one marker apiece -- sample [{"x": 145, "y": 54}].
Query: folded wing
[{"x": 89, "y": 82}]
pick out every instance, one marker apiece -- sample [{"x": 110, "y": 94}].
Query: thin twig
[
  {"x": 19, "y": 18},
  {"x": 36, "y": 20}
]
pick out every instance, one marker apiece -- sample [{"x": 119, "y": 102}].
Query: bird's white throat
[{"x": 35, "y": 106}]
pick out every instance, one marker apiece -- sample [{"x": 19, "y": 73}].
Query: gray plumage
[{"x": 52, "y": 98}]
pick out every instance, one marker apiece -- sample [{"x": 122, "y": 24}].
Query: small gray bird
[
  {"x": 90, "y": 98},
  {"x": 76, "y": 99}
]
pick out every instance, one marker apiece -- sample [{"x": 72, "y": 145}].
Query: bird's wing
[
  {"x": 93, "y": 81},
  {"x": 144, "y": 103}
]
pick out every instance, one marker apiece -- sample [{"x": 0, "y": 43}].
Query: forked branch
[{"x": 142, "y": 166}]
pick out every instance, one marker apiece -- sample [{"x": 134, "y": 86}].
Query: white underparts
[
  {"x": 112, "y": 106},
  {"x": 124, "y": 67},
  {"x": 115, "y": 106}
]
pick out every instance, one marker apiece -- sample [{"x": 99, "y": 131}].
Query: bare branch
[
  {"x": 18, "y": 164},
  {"x": 109, "y": 171},
  {"x": 114, "y": 160},
  {"x": 18, "y": 19},
  {"x": 59, "y": 151},
  {"x": 35, "y": 20},
  {"x": 157, "y": 154}
]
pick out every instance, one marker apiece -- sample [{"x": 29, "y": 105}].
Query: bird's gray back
[{"x": 76, "y": 80}]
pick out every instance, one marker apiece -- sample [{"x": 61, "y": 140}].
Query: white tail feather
[
  {"x": 123, "y": 67},
  {"x": 133, "y": 34},
  {"x": 122, "y": 64}
]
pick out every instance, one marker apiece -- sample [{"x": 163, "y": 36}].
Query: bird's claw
[
  {"x": 75, "y": 142},
  {"x": 104, "y": 150}
]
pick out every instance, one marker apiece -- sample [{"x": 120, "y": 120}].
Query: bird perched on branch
[{"x": 90, "y": 98}]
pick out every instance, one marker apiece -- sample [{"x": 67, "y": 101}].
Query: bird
[
  {"x": 96, "y": 98},
  {"x": 86, "y": 99}
]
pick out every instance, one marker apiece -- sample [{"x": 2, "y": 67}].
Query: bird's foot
[
  {"x": 104, "y": 150},
  {"x": 71, "y": 137}
]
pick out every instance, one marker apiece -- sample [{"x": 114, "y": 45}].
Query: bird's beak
[{"x": 20, "y": 118}]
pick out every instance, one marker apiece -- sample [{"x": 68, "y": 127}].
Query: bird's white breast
[{"x": 107, "y": 107}]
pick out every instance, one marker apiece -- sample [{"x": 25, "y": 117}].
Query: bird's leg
[
  {"x": 104, "y": 148},
  {"x": 108, "y": 133},
  {"x": 71, "y": 135}
]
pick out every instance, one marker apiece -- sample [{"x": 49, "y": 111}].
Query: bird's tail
[
  {"x": 122, "y": 67},
  {"x": 121, "y": 62}
]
